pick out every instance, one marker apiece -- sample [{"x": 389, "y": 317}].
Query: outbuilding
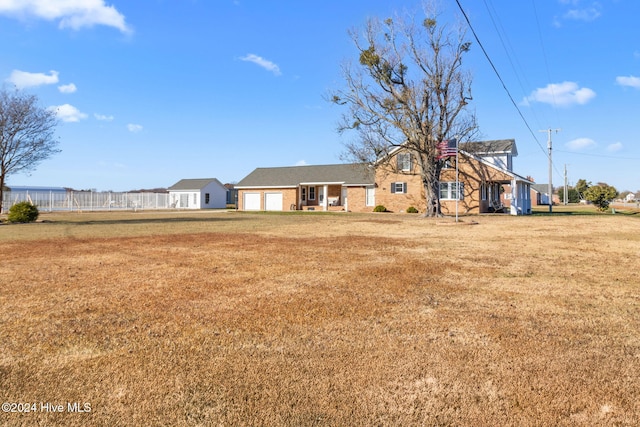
[{"x": 200, "y": 193}]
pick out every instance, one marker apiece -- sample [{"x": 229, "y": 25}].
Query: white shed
[{"x": 202, "y": 193}]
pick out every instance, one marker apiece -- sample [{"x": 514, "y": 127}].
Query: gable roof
[
  {"x": 292, "y": 176},
  {"x": 495, "y": 146},
  {"x": 193, "y": 184}
]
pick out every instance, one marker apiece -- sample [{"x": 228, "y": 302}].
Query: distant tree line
[{"x": 600, "y": 194}]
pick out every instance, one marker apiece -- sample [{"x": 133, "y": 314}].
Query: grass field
[{"x": 226, "y": 318}]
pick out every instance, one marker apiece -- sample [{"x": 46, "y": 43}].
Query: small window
[
  {"x": 398, "y": 187},
  {"x": 303, "y": 194},
  {"x": 449, "y": 191},
  {"x": 404, "y": 162},
  {"x": 312, "y": 193},
  {"x": 206, "y": 198}
]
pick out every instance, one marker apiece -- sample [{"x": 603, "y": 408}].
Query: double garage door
[{"x": 272, "y": 201}]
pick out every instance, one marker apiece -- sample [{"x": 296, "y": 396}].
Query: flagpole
[{"x": 457, "y": 181}]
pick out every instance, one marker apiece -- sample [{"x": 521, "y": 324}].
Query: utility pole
[
  {"x": 550, "y": 167},
  {"x": 566, "y": 195}
]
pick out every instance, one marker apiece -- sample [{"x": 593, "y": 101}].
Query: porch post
[
  {"x": 515, "y": 202},
  {"x": 325, "y": 197}
]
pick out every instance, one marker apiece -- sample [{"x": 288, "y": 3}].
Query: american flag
[{"x": 447, "y": 148}]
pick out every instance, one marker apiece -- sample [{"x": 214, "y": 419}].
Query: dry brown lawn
[{"x": 321, "y": 320}]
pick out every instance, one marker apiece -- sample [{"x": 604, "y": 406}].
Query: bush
[
  {"x": 379, "y": 208},
  {"x": 411, "y": 209},
  {"x": 23, "y": 212}
]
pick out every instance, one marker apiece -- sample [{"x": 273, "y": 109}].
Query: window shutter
[
  {"x": 404, "y": 187},
  {"x": 393, "y": 187}
]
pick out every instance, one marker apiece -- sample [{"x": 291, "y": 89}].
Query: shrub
[
  {"x": 379, "y": 208},
  {"x": 411, "y": 209},
  {"x": 23, "y": 212}
]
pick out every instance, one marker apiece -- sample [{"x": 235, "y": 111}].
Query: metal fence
[{"x": 86, "y": 200}]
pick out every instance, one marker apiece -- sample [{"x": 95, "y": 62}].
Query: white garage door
[
  {"x": 251, "y": 201},
  {"x": 273, "y": 201}
]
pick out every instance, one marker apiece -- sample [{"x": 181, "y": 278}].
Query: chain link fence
[{"x": 50, "y": 201}]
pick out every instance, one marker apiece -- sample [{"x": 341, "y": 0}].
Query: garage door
[
  {"x": 273, "y": 201},
  {"x": 251, "y": 201}
]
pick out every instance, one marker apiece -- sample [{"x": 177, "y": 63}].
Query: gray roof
[
  {"x": 540, "y": 188},
  {"x": 491, "y": 147},
  {"x": 291, "y": 176},
  {"x": 193, "y": 184}
]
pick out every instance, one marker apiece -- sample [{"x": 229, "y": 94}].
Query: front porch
[
  {"x": 509, "y": 197},
  {"x": 321, "y": 197}
]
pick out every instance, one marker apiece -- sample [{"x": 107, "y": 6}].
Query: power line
[
  {"x": 495, "y": 70},
  {"x": 510, "y": 52}
]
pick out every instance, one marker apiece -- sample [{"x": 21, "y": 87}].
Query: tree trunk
[{"x": 431, "y": 184}]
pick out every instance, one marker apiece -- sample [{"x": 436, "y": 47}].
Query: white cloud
[
  {"x": 264, "y": 63},
  {"x": 102, "y": 117},
  {"x": 616, "y": 146},
  {"x": 70, "y": 88},
  {"x": 74, "y": 14},
  {"x": 23, "y": 79},
  {"x": 134, "y": 128},
  {"x": 582, "y": 10},
  {"x": 581, "y": 144},
  {"x": 630, "y": 81},
  {"x": 68, "y": 113},
  {"x": 587, "y": 14},
  {"x": 562, "y": 94},
  {"x": 301, "y": 163}
]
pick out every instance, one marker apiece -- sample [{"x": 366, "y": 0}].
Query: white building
[{"x": 203, "y": 193}]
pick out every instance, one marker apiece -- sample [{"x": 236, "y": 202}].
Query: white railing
[{"x": 86, "y": 200}]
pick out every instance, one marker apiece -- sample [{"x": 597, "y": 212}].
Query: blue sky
[{"x": 150, "y": 92}]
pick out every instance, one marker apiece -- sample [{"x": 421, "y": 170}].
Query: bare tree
[
  {"x": 407, "y": 90},
  {"x": 26, "y": 134}
]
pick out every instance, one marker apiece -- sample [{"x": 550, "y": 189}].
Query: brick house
[{"x": 485, "y": 180}]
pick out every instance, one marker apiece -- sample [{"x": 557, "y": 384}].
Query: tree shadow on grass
[{"x": 140, "y": 221}]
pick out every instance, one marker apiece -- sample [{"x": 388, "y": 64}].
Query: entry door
[
  {"x": 184, "y": 200},
  {"x": 371, "y": 195},
  {"x": 321, "y": 195}
]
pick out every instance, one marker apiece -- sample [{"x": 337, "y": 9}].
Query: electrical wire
[{"x": 495, "y": 70}]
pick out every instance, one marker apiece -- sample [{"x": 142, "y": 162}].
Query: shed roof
[
  {"x": 193, "y": 184},
  {"x": 291, "y": 176}
]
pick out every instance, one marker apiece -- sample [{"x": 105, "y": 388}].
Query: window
[
  {"x": 448, "y": 191},
  {"x": 484, "y": 191},
  {"x": 303, "y": 195},
  {"x": 195, "y": 198},
  {"x": 399, "y": 187},
  {"x": 404, "y": 161},
  {"x": 206, "y": 198},
  {"x": 312, "y": 193}
]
